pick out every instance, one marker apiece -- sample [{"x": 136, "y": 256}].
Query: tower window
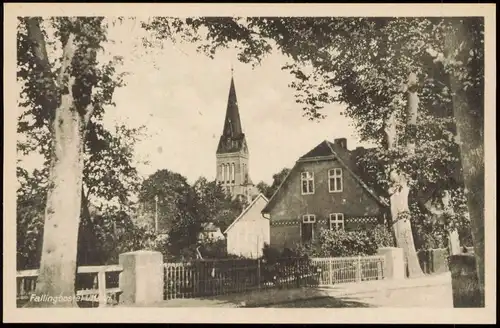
[{"x": 232, "y": 173}]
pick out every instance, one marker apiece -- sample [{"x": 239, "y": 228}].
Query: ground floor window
[
  {"x": 307, "y": 228},
  {"x": 337, "y": 221}
]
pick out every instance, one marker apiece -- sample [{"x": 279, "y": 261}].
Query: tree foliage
[
  {"x": 363, "y": 64},
  {"x": 182, "y": 209},
  {"x": 278, "y": 179},
  {"x": 214, "y": 204},
  {"x": 109, "y": 173}
]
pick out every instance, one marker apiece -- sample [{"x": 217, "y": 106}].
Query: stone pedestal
[
  {"x": 141, "y": 280},
  {"x": 394, "y": 266},
  {"x": 464, "y": 281}
]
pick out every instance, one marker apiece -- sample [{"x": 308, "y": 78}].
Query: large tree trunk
[
  {"x": 441, "y": 213},
  {"x": 56, "y": 281},
  {"x": 400, "y": 214},
  {"x": 62, "y": 215},
  {"x": 453, "y": 237},
  {"x": 399, "y": 191},
  {"x": 469, "y": 117}
]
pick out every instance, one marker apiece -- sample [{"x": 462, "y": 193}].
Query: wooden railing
[{"x": 26, "y": 283}]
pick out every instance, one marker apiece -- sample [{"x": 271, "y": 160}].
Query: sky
[{"x": 181, "y": 97}]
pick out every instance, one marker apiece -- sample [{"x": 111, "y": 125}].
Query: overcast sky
[{"x": 181, "y": 97}]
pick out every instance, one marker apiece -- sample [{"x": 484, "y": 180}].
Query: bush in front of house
[
  {"x": 382, "y": 236},
  {"x": 340, "y": 243},
  {"x": 333, "y": 243}
]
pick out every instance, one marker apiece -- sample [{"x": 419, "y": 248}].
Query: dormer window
[
  {"x": 335, "y": 180},
  {"x": 307, "y": 183}
]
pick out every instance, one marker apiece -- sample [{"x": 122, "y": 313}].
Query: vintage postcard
[{"x": 248, "y": 160}]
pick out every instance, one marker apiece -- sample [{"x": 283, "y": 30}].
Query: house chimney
[{"x": 341, "y": 142}]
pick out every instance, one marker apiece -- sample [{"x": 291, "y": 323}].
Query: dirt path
[{"x": 429, "y": 297}]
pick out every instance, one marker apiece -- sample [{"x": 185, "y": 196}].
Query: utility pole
[{"x": 156, "y": 213}]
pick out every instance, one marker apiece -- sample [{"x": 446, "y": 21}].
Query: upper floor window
[
  {"x": 307, "y": 183},
  {"x": 335, "y": 180},
  {"x": 337, "y": 221}
]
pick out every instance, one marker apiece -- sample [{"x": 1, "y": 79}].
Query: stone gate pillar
[
  {"x": 142, "y": 278},
  {"x": 394, "y": 266}
]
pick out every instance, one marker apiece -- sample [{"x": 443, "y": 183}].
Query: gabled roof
[
  {"x": 327, "y": 150},
  {"x": 246, "y": 210}
]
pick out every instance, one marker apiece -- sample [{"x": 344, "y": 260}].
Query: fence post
[
  {"x": 330, "y": 272},
  {"x": 258, "y": 273},
  {"x": 101, "y": 284},
  {"x": 379, "y": 269},
  {"x": 358, "y": 271}
]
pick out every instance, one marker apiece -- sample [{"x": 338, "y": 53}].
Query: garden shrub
[
  {"x": 214, "y": 249},
  {"x": 336, "y": 244},
  {"x": 340, "y": 243},
  {"x": 382, "y": 235},
  {"x": 270, "y": 254}
]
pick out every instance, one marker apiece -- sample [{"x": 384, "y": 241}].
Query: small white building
[
  {"x": 248, "y": 233},
  {"x": 210, "y": 233}
]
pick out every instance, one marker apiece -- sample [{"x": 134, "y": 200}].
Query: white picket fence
[
  {"x": 349, "y": 269},
  {"x": 221, "y": 277},
  {"x": 96, "y": 285}
]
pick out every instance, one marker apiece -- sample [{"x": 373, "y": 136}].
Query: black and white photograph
[{"x": 238, "y": 159}]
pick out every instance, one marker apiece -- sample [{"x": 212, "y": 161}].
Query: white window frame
[
  {"x": 227, "y": 175},
  {"x": 307, "y": 177},
  {"x": 334, "y": 174},
  {"x": 308, "y": 219},
  {"x": 337, "y": 219}
]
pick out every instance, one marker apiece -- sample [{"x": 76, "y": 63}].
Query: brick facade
[{"x": 360, "y": 208}]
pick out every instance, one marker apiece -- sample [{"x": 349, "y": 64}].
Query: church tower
[{"x": 232, "y": 153}]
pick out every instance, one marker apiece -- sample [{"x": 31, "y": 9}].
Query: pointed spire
[
  {"x": 232, "y": 124},
  {"x": 232, "y": 138}
]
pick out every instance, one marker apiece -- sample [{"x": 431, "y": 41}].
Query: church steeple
[
  {"x": 232, "y": 152},
  {"x": 232, "y": 138},
  {"x": 232, "y": 124}
]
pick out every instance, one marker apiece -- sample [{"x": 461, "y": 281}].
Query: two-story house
[{"x": 322, "y": 190}]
